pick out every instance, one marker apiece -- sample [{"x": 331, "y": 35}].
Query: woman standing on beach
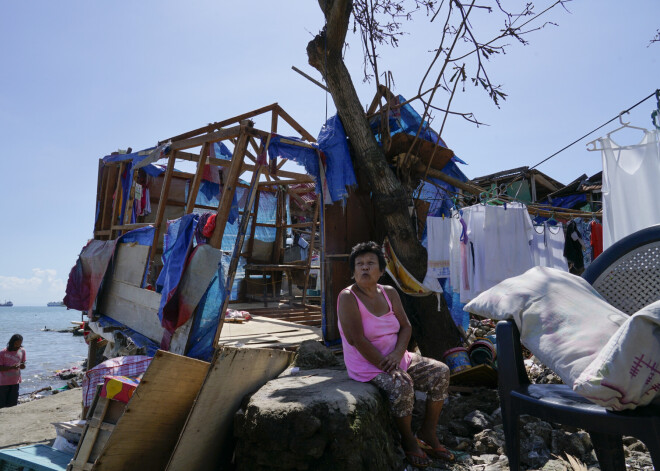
[{"x": 12, "y": 361}]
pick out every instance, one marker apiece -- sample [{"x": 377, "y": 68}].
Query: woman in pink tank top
[{"x": 375, "y": 332}]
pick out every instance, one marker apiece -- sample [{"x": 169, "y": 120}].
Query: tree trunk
[{"x": 433, "y": 331}]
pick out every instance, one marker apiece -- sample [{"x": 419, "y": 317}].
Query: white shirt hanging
[{"x": 630, "y": 178}]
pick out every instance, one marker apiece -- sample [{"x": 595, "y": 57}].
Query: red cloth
[
  {"x": 596, "y": 238},
  {"x": 210, "y": 226}
]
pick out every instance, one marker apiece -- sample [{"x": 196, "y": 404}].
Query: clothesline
[{"x": 461, "y": 200}]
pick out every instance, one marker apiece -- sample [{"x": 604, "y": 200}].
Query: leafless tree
[{"x": 461, "y": 55}]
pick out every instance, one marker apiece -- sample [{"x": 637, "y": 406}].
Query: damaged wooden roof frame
[{"x": 240, "y": 131}]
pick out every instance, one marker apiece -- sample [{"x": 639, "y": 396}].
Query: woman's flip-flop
[
  {"x": 440, "y": 453},
  {"x": 418, "y": 460}
]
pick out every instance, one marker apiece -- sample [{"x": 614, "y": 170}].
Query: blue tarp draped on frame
[{"x": 339, "y": 167}]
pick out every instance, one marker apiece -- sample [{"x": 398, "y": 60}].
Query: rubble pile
[{"x": 471, "y": 424}]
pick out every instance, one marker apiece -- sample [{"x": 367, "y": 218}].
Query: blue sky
[{"x": 80, "y": 79}]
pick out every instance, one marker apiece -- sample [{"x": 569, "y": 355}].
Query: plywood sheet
[
  {"x": 130, "y": 263},
  {"x": 206, "y": 440},
  {"x": 155, "y": 415},
  {"x": 134, "y": 307}
]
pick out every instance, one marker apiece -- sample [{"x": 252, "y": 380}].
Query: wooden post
[
  {"x": 162, "y": 203},
  {"x": 106, "y": 196},
  {"x": 533, "y": 182},
  {"x": 115, "y": 203},
  {"x": 128, "y": 208},
  {"x": 238, "y": 247},
  {"x": 201, "y": 164},
  {"x": 253, "y": 228},
  {"x": 224, "y": 206},
  {"x": 312, "y": 239}
]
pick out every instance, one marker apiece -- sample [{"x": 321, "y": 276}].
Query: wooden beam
[
  {"x": 214, "y": 126},
  {"x": 229, "y": 189},
  {"x": 197, "y": 180},
  {"x": 210, "y": 137},
  {"x": 297, "y": 181},
  {"x": 310, "y": 249},
  {"x": 544, "y": 181},
  {"x": 162, "y": 203},
  {"x": 294, "y": 124},
  {"x": 470, "y": 188},
  {"x": 238, "y": 246},
  {"x": 118, "y": 195}
]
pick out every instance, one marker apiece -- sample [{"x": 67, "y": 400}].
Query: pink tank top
[{"x": 382, "y": 332}]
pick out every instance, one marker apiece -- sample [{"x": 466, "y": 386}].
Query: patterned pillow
[
  {"x": 626, "y": 372},
  {"x": 562, "y": 320}
]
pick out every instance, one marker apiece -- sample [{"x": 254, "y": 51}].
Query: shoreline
[{"x": 30, "y": 423}]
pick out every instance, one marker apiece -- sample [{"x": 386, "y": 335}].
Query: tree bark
[{"x": 433, "y": 331}]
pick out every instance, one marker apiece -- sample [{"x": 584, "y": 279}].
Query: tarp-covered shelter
[{"x": 180, "y": 238}]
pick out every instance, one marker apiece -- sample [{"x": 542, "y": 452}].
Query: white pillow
[
  {"x": 562, "y": 320},
  {"x": 626, "y": 372}
]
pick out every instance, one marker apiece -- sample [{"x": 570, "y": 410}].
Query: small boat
[
  {"x": 6, "y": 304},
  {"x": 55, "y": 304}
]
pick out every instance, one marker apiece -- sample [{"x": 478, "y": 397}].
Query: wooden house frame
[{"x": 177, "y": 196}]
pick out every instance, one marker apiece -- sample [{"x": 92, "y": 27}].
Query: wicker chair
[{"x": 628, "y": 275}]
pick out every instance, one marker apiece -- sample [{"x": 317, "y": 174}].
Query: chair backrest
[{"x": 627, "y": 274}]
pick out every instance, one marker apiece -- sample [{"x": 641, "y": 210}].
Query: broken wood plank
[
  {"x": 204, "y": 443},
  {"x": 155, "y": 415},
  {"x": 210, "y": 137}
]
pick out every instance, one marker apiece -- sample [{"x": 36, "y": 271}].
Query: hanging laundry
[
  {"x": 508, "y": 230},
  {"x": 584, "y": 228},
  {"x": 596, "y": 238},
  {"x": 630, "y": 176},
  {"x": 489, "y": 244},
  {"x": 439, "y": 235},
  {"x": 457, "y": 228},
  {"x": 573, "y": 245},
  {"x": 548, "y": 247}
]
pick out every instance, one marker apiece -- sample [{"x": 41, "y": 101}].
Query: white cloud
[{"x": 41, "y": 287}]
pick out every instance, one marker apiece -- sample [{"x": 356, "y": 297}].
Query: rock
[
  {"x": 478, "y": 421},
  {"x": 489, "y": 441},
  {"x": 321, "y": 420},
  {"x": 555, "y": 465},
  {"x": 533, "y": 451},
  {"x": 577, "y": 444},
  {"x": 638, "y": 446},
  {"x": 313, "y": 354},
  {"x": 502, "y": 464},
  {"x": 540, "y": 429},
  {"x": 486, "y": 459}
]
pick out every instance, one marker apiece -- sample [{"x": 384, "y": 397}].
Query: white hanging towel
[
  {"x": 438, "y": 233},
  {"x": 455, "y": 251},
  {"x": 630, "y": 176},
  {"x": 548, "y": 247},
  {"x": 508, "y": 233}
]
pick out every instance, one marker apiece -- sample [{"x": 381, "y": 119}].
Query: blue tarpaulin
[
  {"x": 206, "y": 320},
  {"x": 569, "y": 201},
  {"x": 339, "y": 168},
  {"x": 177, "y": 244}
]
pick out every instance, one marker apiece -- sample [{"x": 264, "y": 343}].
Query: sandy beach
[{"x": 31, "y": 422}]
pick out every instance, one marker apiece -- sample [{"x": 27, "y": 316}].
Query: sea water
[{"x": 47, "y": 350}]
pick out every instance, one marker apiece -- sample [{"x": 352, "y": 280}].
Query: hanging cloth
[
  {"x": 548, "y": 247},
  {"x": 573, "y": 249},
  {"x": 439, "y": 236},
  {"x": 630, "y": 178},
  {"x": 596, "y": 238}
]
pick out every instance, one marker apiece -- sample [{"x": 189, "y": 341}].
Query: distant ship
[
  {"x": 6, "y": 304},
  {"x": 55, "y": 304}
]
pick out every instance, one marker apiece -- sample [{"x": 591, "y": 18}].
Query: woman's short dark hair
[
  {"x": 366, "y": 247},
  {"x": 13, "y": 339}
]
